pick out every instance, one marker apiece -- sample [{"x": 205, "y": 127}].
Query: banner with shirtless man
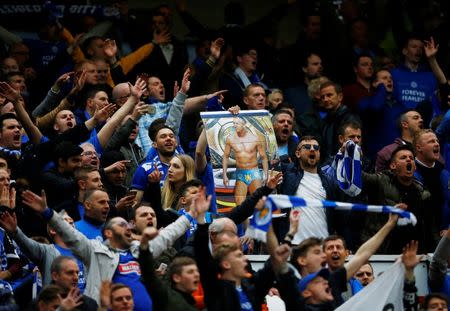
[{"x": 241, "y": 148}]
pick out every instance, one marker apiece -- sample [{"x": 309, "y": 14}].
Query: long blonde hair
[{"x": 169, "y": 192}]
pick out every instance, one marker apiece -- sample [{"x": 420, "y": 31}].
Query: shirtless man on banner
[{"x": 246, "y": 147}]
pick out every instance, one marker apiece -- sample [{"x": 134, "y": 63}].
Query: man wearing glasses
[{"x": 304, "y": 179}]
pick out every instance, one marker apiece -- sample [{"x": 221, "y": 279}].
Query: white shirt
[
  {"x": 313, "y": 220},
  {"x": 167, "y": 50}
]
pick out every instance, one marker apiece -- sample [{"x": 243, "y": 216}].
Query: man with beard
[
  {"x": 287, "y": 142},
  {"x": 246, "y": 146},
  {"x": 399, "y": 186},
  {"x": 116, "y": 258},
  {"x": 305, "y": 180},
  {"x": 165, "y": 144}
]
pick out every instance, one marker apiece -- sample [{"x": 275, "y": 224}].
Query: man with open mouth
[
  {"x": 395, "y": 186},
  {"x": 303, "y": 178},
  {"x": 428, "y": 171}
]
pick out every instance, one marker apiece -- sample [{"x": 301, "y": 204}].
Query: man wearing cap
[
  {"x": 308, "y": 258},
  {"x": 316, "y": 290}
]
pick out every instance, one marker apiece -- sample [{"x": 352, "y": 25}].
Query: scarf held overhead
[{"x": 261, "y": 220}]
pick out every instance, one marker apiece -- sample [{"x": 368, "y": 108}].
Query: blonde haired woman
[{"x": 181, "y": 170}]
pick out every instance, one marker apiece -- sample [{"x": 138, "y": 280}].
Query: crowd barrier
[{"x": 379, "y": 262}]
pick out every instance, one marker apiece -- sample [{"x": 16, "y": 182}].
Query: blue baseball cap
[{"x": 303, "y": 283}]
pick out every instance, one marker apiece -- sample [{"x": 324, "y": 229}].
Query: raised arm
[
  {"x": 155, "y": 287},
  {"x": 68, "y": 102},
  {"x": 431, "y": 49},
  {"x": 371, "y": 246},
  {"x": 108, "y": 129},
  {"x": 410, "y": 259},
  {"x": 198, "y": 103},
  {"x": 14, "y": 96},
  {"x": 176, "y": 110},
  {"x": 200, "y": 153},
  {"x": 167, "y": 236},
  {"x": 8, "y": 220},
  {"x": 122, "y": 135},
  {"x": 51, "y": 99},
  {"x": 76, "y": 241}
]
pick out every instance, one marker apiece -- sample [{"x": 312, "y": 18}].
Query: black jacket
[{"x": 221, "y": 295}]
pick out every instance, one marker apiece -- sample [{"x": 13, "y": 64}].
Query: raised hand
[
  {"x": 139, "y": 110},
  {"x": 280, "y": 257},
  {"x": 138, "y": 88},
  {"x": 409, "y": 256},
  {"x": 63, "y": 79},
  {"x": 75, "y": 43},
  {"x": 148, "y": 235},
  {"x": 154, "y": 176},
  {"x": 37, "y": 203},
  {"x": 185, "y": 83},
  {"x": 273, "y": 180},
  {"x": 78, "y": 81},
  {"x": 101, "y": 115},
  {"x": 218, "y": 93},
  {"x": 216, "y": 47},
  {"x": 73, "y": 299},
  {"x": 176, "y": 88},
  {"x": 8, "y": 221},
  {"x": 234, "y": 110},
  {"x": 110, "y": 48},
  {"x": 393, "y": 218},
  {"x": 200, "y": 204},
  {"x": 8, "y": 197},
  {"x": 9, "y": 92},
  {"x": 431, "y": 48},
  {"x": 162, "y": 38}
]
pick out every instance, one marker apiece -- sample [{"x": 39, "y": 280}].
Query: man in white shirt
[{"x": 304, "y": 179}]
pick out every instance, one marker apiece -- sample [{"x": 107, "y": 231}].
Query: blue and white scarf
[
  {"x": 261, "y": 220},
  {"x": 348, "y": 169}
]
